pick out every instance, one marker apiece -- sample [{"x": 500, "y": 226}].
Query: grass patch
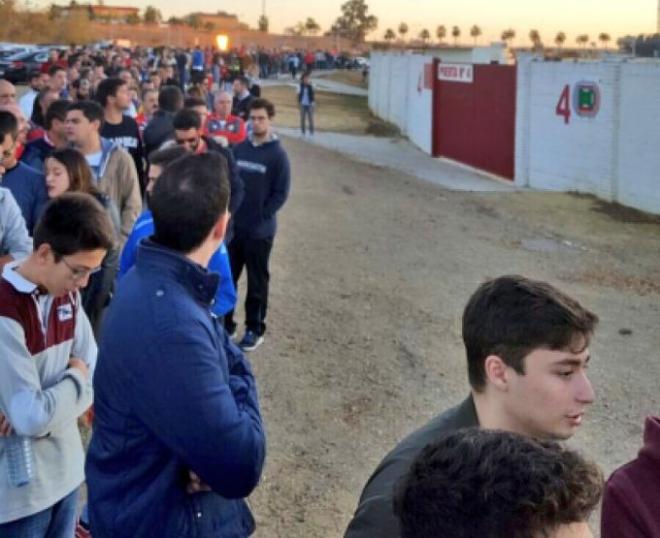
[{"x": 334, "y": 112}]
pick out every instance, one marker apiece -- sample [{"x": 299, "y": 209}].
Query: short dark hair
[
  {"x": 192, "y": 101},
  {"x": 8, "y": 125},
  {"x": 108, "y": 88},
  {"x": 188, "y": 199},
  {"x": 54, "y": 69},
  {"x": 74, "y": 222},
  {"x": 90, "y": 109},
  {"x": 33, "y": 75},
  {"x": 259, "y": 102},
  {"x": 243, "y": 80},
  {"x": 166, "y": 156},
  {"x": 56, "y": 111},
  {"x": 185, "y": 119},
  {"x": 511, "y": 316},
  {"x": 170, "y": 98},
  {"x": 495, "y": 484}
]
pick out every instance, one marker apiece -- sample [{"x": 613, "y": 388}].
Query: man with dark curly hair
[{"x": 493, "y": 484}]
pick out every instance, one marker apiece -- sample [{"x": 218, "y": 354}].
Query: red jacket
[
  {"x": 631, "y": 504},
  {"x": 233, "y": 128}
]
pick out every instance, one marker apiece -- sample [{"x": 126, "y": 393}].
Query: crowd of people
[{"x": 134, "y": 193}]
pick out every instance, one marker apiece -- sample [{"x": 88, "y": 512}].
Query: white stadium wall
[
  {"x": 400, "y": 92},
  {"x": 605, "y": 145},
  {"x": 584, "y": 126}
]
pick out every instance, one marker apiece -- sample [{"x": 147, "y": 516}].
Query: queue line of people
[{"x": 178, "y": 439}]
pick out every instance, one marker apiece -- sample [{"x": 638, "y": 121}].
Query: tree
[
  {"x": 456, "y": 33},
  {"x": 263, "y": 24},
  {"x": 604, "y": 38},
  {"x": 355, "y": 22},
  {"x": 152, "y": 15},
  {"x": 508, "y": 35},
  {"x": 425, "y": 35},
  {"x": 193, "y": 21},
  {"x": 311, "y": 26},
  {"x": 535, "y": 38},
  {"x": 389, "y": 35},
  {"x": 403, "y": 30},
  {"x": 133, "y": 19},
  {"x": 175, "y": 21},
  {"x": 440, "y": 33},
  {"x": 560, "y": 39},
  {"x": 582, "y": 39},
  {"x": 475, "y": 32}
]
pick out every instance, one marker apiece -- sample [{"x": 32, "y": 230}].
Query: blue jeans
[{"x": 58, "y": 521}]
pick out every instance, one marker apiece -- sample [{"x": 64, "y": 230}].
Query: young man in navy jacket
[
  {"x": 178, "y": 441},
  {"x": 265, "y": 171}
]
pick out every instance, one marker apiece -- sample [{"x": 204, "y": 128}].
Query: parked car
[{"x": 16, "y": 68}]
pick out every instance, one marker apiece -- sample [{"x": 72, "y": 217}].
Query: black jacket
[
  {"x": 310, "y": 88},
  {"x": 235, "y": 181},
  {"x": 158, "y": 130},
  {"x": 98, "y": 292},
  {"x": 241, "y": 107},
  {"x": 374, "y": 517}
]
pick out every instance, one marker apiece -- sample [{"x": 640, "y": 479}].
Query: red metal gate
[{"x": 474, "y": 122}]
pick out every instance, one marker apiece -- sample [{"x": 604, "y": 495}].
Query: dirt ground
[
  {"x": 334, "y": 112},
  {"x": 370, "y": 273}
]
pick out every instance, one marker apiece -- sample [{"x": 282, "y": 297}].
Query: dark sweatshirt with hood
[
  {"x": 266, "y": 176},
  {"x": 631, "y": 504}
]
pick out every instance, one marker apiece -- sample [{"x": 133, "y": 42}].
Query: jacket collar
[{"x": 160, "y": 260}]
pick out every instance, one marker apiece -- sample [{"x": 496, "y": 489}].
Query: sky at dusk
[{"x": 616, "y": 17}]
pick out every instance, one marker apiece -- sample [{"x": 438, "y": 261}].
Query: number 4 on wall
[{"x": 564, "y": 104}]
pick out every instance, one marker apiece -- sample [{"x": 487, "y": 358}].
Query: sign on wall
[
  {"x": 456, "y": 73},
  {"x": 584, "y": 101}
]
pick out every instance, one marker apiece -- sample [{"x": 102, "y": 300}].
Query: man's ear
[
  {"x": 220, "y": 228},
  {"x": 44, "y": 254},
  {"x": 497, "y": 372}
]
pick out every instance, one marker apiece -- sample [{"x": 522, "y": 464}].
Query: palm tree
[
  {"x": 582, "y": 39},
  {"x": 535, "y": 38},
  {"x": 440, "y": 33},
  {"x": 425, "y": 35},
  {"x": 456, "y": 33},
  {"x": 604, "y": 38},
  {"x": 475, "y": 32},
  {"x": 389, "y": 35},
  {"x": 311, "y": 26},
  {"x": 403, "y": 30},
  {"x": 560, "y": 39},
  {"x": 508, "y": 35}
]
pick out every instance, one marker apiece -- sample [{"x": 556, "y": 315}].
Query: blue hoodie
[
  {"x": 29, "y": 189},
  {"x": 225, "y": 298},
  {"x": 172, "y": 394},
  {"x": 266, "y": 180}
]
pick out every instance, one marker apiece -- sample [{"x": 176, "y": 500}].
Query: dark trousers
[
  {"x": 253, "y": 254},
  {"x": 307, "y": 111}
]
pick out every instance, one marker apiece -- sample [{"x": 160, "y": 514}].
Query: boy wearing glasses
[{"x": 47, "y": 357}]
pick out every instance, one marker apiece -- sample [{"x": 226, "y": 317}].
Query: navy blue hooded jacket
[
  {"x": 266, "y": 181},
  {"x": 172, "y": 395}
]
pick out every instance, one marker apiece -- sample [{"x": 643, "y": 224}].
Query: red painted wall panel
[{"x": 475, "y": 122}]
